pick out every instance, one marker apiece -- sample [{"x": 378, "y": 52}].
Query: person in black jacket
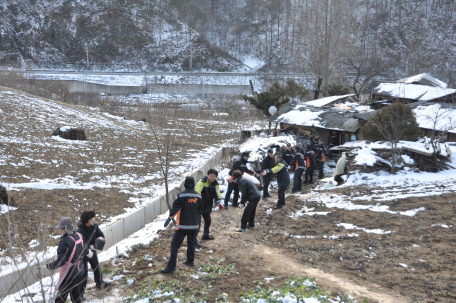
[
  {"x": 249, "y": 193},
  {"x": 69, "y": 254},
  {"x": 91, "y": 232},
  {"x": 186, "y": 208},
  {"x": 310, "y": 165},
  {"x": 283, "y": 178},
  {"x": 208, "y": 188},
  {"x": 298, "y": 162},
  {"x": 241, "y": 165},
  {"x": 314, "y": 141},
  {"x": 320, "y": 157},
  {"x": 267, "y": 163},
  {"x": 288, "y": 154},
  {"x": 333, "y": 140}
]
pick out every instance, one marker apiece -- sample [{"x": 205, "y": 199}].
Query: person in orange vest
[
  {"x": 241, "y": 165},
  {"x": 186, "y": 208},
  {"x": 310, "y": 165},
  {"x": 320, "y": 157}
]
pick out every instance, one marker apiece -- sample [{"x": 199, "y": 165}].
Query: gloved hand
[
  {"x": 241, "y": 206},
  {"x": 264, "y": 172},
  {"x": 220, "y": 205},
  {"x": 167, "y": 221},
  {"x": 90, "y": 255},
  {"x": 42, "y": 272}
]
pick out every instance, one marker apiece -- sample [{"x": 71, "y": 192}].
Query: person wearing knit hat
[
  {"x": 186, "y": 211},
  {"x": 90, "y": 232},
  {"x": 70, "y": 251}
]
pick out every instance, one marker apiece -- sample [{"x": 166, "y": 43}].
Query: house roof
[
  {"x": 411, "y": 91},
  {"x": 443, "y": 116},
  {"x": 424, "y": 79},
  {"x": 328, "y": 100},
  {"x": 330, "y": 118}
]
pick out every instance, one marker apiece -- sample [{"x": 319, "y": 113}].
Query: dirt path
[
  {"x": 279, "y": 262},
  {"x": 256, "y": 256}
]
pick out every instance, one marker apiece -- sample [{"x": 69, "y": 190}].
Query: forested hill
[{"x": 416, "y": 35}]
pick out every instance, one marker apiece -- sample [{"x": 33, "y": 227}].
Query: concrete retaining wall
[
  {"x": 89, "y": 87},
  {"x": 172, "y": 89},
  {"x": 199, "y": 89},
  {"x": 116, "y": 232}
]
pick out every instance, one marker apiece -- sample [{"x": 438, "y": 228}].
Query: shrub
[{"x": 338, "y": 90}]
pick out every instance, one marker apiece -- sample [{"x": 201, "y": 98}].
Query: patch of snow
[{"x": 324, "y": 101}]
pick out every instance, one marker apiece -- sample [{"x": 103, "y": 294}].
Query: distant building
[
  {"x": 423, "y": 79},
  {"x": 323, "y": 116},
  {"x": 422, "y": 87},
  {"x": 437, "y": 117}
]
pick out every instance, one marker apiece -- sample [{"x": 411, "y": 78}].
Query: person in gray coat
[{"x": 249, "y": 193}]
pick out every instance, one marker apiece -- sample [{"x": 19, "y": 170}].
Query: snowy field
[{"x": 115, "y": 171}]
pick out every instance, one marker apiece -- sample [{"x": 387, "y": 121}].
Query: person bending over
[{"x": 249, "y": 193}]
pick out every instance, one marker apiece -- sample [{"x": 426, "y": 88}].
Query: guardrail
[{"x": 116, "y": 232}]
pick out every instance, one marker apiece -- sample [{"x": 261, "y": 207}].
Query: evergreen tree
[{"x": 276, "y": 95}]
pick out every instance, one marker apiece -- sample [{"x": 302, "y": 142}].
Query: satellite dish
[{"x": 272, "y": 110}]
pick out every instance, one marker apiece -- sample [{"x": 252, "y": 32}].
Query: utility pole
[{"x": 87, "y": 48}]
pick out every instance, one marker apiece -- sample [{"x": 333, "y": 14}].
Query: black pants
[
  {"x": 178, "y": 239},
  {"x": 95, "y": 265},
  {"x": 71, "y": 285},
  {"x": 207, "y": 224},
  {"x": 266, "y": 181},
  {"x": 232, "y": 186},
  {"x": 309, "y": 174},
  {"x": 320, "y": 169},
  {"x": 329, "y": 154},
  {"x": 249, "y": 213},
  {"x": 281, "y": 194},
  {"x": 297, "y": 179}
]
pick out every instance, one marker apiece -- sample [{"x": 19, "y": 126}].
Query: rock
[
  {"x": 4, "y": 197},
  {"x": 70, "y": 133}
]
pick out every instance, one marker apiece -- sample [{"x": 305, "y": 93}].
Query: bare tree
[
  {"x": 440, "y": 120},
  {"x": 167, "y": 133},
  {"x": 393, "y": 123},
  {"x": 364, "y": 68},
  {"x": 331, "y": 29}
]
